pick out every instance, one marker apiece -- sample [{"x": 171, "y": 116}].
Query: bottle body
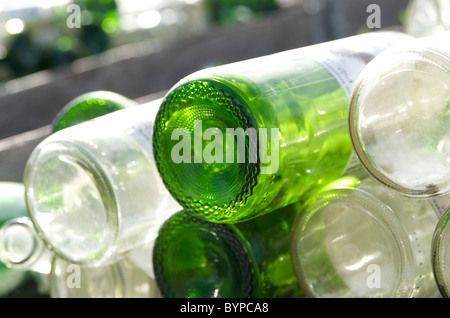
[
  {"x": 357, "y": 238},
  {"x": 93, "y": 191},
  {"x": 400, "y": 117},
  {"x": 196, "y": 258},
  {"x": 256, "y": 135}
]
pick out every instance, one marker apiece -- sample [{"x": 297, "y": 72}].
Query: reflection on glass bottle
[
  {"x": 22, "y": 250},
  {"x": 195, "y": 258},
  {"x": 88, "y": 106},
  {"x": 93, "y": 191},
  {"x": 256, "y": 135},
  {"x": 358, "y": 238},
  {"x": 12, "y": 205},
  {"x": 400, "y": 117}
]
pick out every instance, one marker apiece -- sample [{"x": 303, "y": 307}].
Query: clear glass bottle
[
  {"x": 122, "y": 279},
  {"x": 195, "y": 258},
  {"x": 399, "y": 117},
  {"x": 21, "y": 250},
  {"x": 256, "y": 135},
  {"x": 88, "y": 106},
  {"x": 356, "y": 238},
  {"x": 12, "y": 205},
  {"x": 93, "y": 191}
]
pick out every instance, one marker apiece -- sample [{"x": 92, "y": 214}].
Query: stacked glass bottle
[
  {"x": 22, "y": 250},
  {"x": 256, "y": 135},
  {"x": 12, "y": 205},
  {"x": 88, "y": 106},
  {"x": 400, "y": 127}
]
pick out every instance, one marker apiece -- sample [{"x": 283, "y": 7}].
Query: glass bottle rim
[
  {"x": 392, "y": 228},
  {"x": 83, "y": 160},
  {"x": 381, "y": 65}
]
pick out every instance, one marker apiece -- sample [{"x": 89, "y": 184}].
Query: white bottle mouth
[
  {"x": 349, "y": 245},
  {"x": 71, "y": 201},
  {"x": 399, "y": 120}
]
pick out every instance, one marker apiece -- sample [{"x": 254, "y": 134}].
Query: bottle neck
[
  {"x": 369, "y": 241},
  {"x": 269, "y": 236}
]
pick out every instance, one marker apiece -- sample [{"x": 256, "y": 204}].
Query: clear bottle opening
[
  {"x": 17, "y": 243},
  {"x": 347, "y": 244},
  {"x": 72, "y": 205},
  {"x": 399, "y": 120}
]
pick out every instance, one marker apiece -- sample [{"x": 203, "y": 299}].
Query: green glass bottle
[
  {"x": 256, "y": 135},
  {"x": 22, "y": 250},
  {"x": 88, "y": 106},
  {"x": 12, "y": 205},
  {"x": 194, "y": 258}
]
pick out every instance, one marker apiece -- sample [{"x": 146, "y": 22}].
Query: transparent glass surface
[
  {"x": 363, "y": 241},
  {"x": 195, "y": 258},
  {"x": 400, "y": 117},
  {"x": 88, "y": 106}
]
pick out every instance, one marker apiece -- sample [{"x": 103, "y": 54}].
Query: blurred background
[{"x": 51, "y": 51}]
